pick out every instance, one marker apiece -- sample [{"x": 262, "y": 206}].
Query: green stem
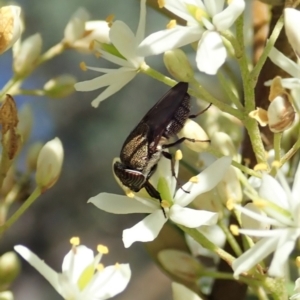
[
  {"x": 30, "y": 92},
  {"x": 5, "y": 164},
  {"x": 35, "y": 194},
  {"x": 261, "y": 61},
  {"x": 290, "y": 153},
  {"x": 230, "y": 238},
  {"x": 206, "y": 243}
]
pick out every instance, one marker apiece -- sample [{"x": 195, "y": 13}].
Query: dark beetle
[{"x": 144, "y": 146}]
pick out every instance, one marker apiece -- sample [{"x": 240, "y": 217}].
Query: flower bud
[
  {"x": 9, "y": 268},
  {"x": 76, "y": 26},
  {"x": 60, "y": 87},
  {"x": 178, "y": 65},
  {"x": 32, "y": 156},
  {"x": 180, "y": 264},
  {"x": 292, "y": 25},
  {"x": 25, "y": 122},
  {"x": 27, "y": 54},
  {"x": 10, "y": 26},
  {"x": 281, "y": 114},
  {"x": 6, "y": 295},
  {"x": 49, "y": 164},
  {"x": 193, "y": 130},
  {"x": 223, "y": 143}
]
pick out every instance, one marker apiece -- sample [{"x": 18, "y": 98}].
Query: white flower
[
  {"x": 126, "y": 43},
  {"x": 148, "y": 229},
  {"x": 292, "y": 25},
  {"x": 204, "y": 21},
  {"x": 181, "y": 292},
  {"x": 282, "y": 207},
  {"x": 82, "y": 277},
  {"x": 296, "y": 296},
  {"x": 288, "y": 66}
]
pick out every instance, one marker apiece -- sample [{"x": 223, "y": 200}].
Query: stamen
[
  {"x": 97, "y": 54},
  {"x": 230, "y": 204},
  {"x": 261, "y": 167},
  {"x": 165, "y": 204},
  {"x": 109, "y": 19},
  {"x": 129, "y": 193},
  {"x": 297, "y": 261},
  {"x": 276, "y": 164},
  {"x": 171, "y": 24},
  {"x": 102, "y": 249},
  {"x": 260, "y": 203},
  {"x": 199, "y": 14},
  {"x": 100, "y": 267},
  {"x": 92, "y": 45},
  {"x": 82, "y": 66},
  {"x": 194, "y": 179},
  {"x": 178, "y": 155},
  {"x": 117, "y": 265},
  {"x": 161, "y": 3},
  {"x": 234, "y": 229},
  {"x": 75, "y": 241}
]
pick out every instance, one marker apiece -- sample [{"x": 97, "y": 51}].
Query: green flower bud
[
  {"x": 60, "y": 87},
  {"x": 9, "y": 268},
  {"x": 178, "y": 65}
]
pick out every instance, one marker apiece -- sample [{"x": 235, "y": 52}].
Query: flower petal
[
  {"x": 211, "y": 53},
  {"x": 228, "y": 16},
  {"x": 192, "y": 218},
  {"x": 109, "y": 282},
  {"x": 146, "y": 230},
  {"x": 284, "y": 63},
  {"x": 168, "y": 39},
  {"x": 207, "y": 180},
  {"x": 214, "y": 7},
  {"x": 40, "y": 266},
  {"x": 254, "y": 255},
  {"x": 118, "y": 204},
  {"x": 142, "y": 23},
  {"x": 75, "y": 262},
  {"x": 123, "y": 39}
]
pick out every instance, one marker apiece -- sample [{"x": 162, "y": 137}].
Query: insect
[{"x": 146, "y": 143}]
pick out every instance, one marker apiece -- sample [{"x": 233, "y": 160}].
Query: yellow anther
[
  {"x": 260, "y": 203},
  {"x": 82, "y": 66},
  {"x": 100, "y": 267},
  {"x": 230, "y": 204},
  {"x": 109, "y": 19},
  {"x": 297, "y": 261},
  {"x": 276, "y": 164},
  {"x": 261, "y": 167},
  {"x": 161, "y": 3},
  {"x": 171, "y": 24},
  {"x": 102, "y": 249},
  {"x": 194, "y": 179},
  {"x": 165, "y": 204},
  {"x": 92, "y": 45},
  {"x": 178, "y": 155},
  {"x": 129, "y": 193},
  {"x": 200, "y": 13},
  {"x": 97, "y": 54},
  {"x": 229, "y": 1},
  {"x": 234, "y": 229},
  {"x": 75, "y": 241},
  {"x": 117, "y": 265}
]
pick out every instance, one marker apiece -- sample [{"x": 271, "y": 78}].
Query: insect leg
[
  {"x": 181, "y": 140},
  {"x": 170, "y": 157},
  {"x": 154, "y": 193},
  {"x": 201, "y": 112}
]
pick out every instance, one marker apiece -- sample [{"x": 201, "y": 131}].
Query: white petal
[
  {"x": 146, "y": 230},
  {"x": 142, "y": 23},
  {"x": 284, "y": 63},
  {"x": 192, "y": 218},
  {"x": 181, "y": 292},
  {"x": 75, "y": 262},
  {"x": 296, "y": 184},
  {"x": 107, "y": 79},
  {"x": 168, "y": 39},
  {"x": 214, "y": 6},
  {"x": 118, "y": 204},
  {"x": 228, "y": 16},
  {"x": 115, "y": 59},
  {"x": 110, "y": 281},
  {"x": 40, "y": 266},
  {"x": 207, "y": 180},
  {"x": 285, "y": 246},
  {"x": 211, "y": 53},
  {"x": 113, "y": 88},
  {"x": 254, "y": 255},
  {"x": 123, "y": 39},
  {"x": 291, "y": 25}
]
